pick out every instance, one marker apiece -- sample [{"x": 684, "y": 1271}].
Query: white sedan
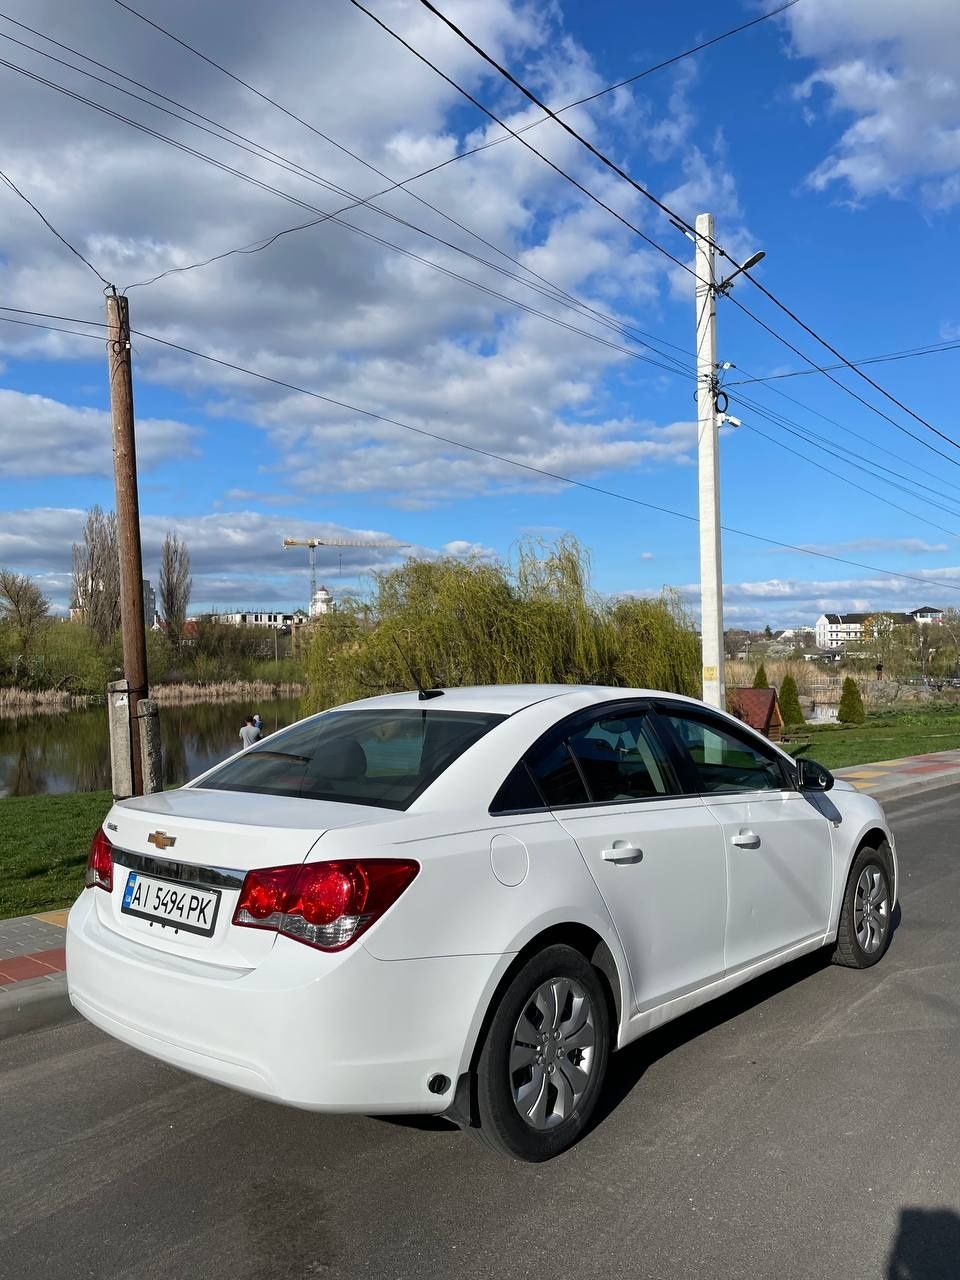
[{"x": 462, "y": 903}]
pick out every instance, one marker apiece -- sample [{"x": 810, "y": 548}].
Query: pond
[{"x": 70, "y": 751}]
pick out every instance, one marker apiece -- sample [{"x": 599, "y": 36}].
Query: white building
[
  {"x": 927, "y": 614},
  {"x": 260, "y": 618},
  {"x": 321, "y": 603},
  {"x": 836, "y": 630}
]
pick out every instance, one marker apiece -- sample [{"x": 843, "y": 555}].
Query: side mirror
[{"x": 812, "y": 776}]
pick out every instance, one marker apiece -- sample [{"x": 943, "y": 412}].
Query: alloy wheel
[
  {"x": 553, "y": 1052},
  {"x": 871, "y": 909}
]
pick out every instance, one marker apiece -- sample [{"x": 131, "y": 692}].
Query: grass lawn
[
  {"x": 884, "y": 736},
  {"x": 44, "y": 841}
]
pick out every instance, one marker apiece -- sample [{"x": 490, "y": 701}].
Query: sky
[{"x": 828, "y": 137}]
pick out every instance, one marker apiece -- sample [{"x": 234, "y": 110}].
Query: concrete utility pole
[
  {"x": 711, "y": 572},
  {"x": 128, "y": 520}
]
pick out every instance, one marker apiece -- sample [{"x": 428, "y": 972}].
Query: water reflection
[{"x": 71, "y": 751}]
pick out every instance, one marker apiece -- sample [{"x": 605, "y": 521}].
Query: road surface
[{"x": 808, "y": 1125}]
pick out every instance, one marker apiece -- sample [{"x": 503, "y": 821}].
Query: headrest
[{"x": 345, "y": 759}]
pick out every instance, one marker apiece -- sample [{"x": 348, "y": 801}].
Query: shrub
[
  {"x": 760, "y": 680},
  {"x": 790, "y": 702},
  {"x": 851, "y": 704}
]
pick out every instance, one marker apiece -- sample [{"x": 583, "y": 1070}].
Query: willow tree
[{"x": 451, "y": 622}]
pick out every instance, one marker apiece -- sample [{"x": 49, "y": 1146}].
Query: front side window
[
  {"x": 722, "y": 759},
  {"x": 384, "y": 758}
]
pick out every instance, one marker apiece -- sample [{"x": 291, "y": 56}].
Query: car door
[
  {"x": 655, "y": 854},
  {"x": 778, "y": 845}
]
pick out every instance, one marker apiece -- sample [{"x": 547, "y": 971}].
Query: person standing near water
[
  {"x": 249, "y": 733},
  {"x": 258, "y": 722}
]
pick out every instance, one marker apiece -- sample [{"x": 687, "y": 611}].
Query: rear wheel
[
  {"x": 866, "y": 916},
  {"x": 544, "y": 1058}
]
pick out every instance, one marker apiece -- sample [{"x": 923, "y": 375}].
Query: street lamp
[{"x": 752, "y": 261}]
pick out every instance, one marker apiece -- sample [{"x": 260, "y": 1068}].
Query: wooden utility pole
[{"x": 128, "y": 518}]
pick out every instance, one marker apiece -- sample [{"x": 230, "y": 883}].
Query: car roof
[{"x": 505, "y": 699}]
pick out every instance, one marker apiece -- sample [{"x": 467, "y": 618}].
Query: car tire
[
  {"x": 866, "y": 916},
  {"x": 544, "y": 1057}
]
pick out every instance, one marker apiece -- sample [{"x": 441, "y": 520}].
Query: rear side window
[
  {"x": 621, "y": 759},
  {"x": 382, "y": 758}
]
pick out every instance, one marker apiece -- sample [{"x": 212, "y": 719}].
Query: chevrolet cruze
[{"x": 461, "y": 902}]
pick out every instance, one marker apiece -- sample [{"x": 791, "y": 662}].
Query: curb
[
  {"x": 915, "y": 787},
  {"x": 35, "y": 1004}
]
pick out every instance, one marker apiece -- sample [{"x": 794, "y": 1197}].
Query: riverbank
[{"x": 15, "y": 702}]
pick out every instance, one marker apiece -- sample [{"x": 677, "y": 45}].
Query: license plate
[{"x": 169, "y": 902}]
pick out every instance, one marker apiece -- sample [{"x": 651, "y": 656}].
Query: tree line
[{"x": 463, "y": 622}]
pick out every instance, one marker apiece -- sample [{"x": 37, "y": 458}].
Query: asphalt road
[{"x": 807, "y": 1126}]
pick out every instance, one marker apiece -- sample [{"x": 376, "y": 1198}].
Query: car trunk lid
[{"x": 202, "y": 843}]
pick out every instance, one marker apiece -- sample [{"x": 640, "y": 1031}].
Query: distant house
[
  {"x": 758, "y": 708},
  {"x": 927, "y": 613},
  {"x": 834, "y": 630}
]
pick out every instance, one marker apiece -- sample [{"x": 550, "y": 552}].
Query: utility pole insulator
[
  {"x": 711, "y": 573},
  {"x": 133, "y": 629}
]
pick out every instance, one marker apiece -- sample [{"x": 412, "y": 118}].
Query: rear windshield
[{"x": 383, "y": 758}]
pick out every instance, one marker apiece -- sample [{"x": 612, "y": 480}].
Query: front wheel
[
  {"x": 866, "y": 916},
  {"x": 544, "y": 1059}
]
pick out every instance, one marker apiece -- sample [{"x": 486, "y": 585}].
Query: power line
[
  {"x": 514, "y": 133},
  {"x": 846, "y": 480},
  {"x": 822, "y": 446},
  {"x": 849, "y": 390},
  {"x": 50, "y": 227},
  {"x": 462, "y": 444},
  {"x": 674, "y": 365},
  {"x": 403, "y": 184},
  {"x": 31, "y": 324},
  {"x": 525, "y": 466},
  {"x": 867, "y": 466},
  {"x": 674, "y": 217},
  {"x": 909, "y": 353},
  {"x": 846, "y": 363}
]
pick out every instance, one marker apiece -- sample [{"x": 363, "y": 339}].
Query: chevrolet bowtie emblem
[{"x": 161, "y": 839}]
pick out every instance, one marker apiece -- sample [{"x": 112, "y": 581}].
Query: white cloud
[
  {"x": 40, "y": 436},
  {"x": 236, "y": 557},
  {"x": 891, "y": 70},
  {"x": 329, "y": 308}
]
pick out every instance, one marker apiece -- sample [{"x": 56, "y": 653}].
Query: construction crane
[{"x": 312, "y": 543}]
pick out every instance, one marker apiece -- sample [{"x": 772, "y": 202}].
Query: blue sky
[{"x": 826, "y": 137}]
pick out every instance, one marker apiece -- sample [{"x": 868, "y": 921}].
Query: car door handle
[
  {"x": 746, "y": 840},
  {"x": 622, "y": 851}
]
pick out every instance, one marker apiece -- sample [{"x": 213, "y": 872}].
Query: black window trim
[
  {"x": 567, "y": 726},
  {"x": 687, "y": 772}
]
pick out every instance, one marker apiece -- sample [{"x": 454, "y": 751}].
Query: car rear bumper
[{"x": 326, "y": 1032}]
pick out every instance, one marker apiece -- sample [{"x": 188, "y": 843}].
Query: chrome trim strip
[{"x": 189, "y": 872}]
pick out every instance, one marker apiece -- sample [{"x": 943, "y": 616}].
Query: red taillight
[
  {"x": 324, "y": 904},
  {"x": 99, "y": 873}
]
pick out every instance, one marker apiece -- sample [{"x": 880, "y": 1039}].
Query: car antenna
[{"x": 422, "y": 693}]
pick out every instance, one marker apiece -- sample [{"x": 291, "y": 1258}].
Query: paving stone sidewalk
[{"x": 33, "y": 983}]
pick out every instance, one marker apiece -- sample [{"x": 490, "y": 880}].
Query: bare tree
[
  {"x": 175, "y": 586},
  {"x": 96, "y": 575},
  {"x": 23, "y": 605}
]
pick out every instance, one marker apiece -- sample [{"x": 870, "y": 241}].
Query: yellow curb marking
[{"x": 59, "y": 918}]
